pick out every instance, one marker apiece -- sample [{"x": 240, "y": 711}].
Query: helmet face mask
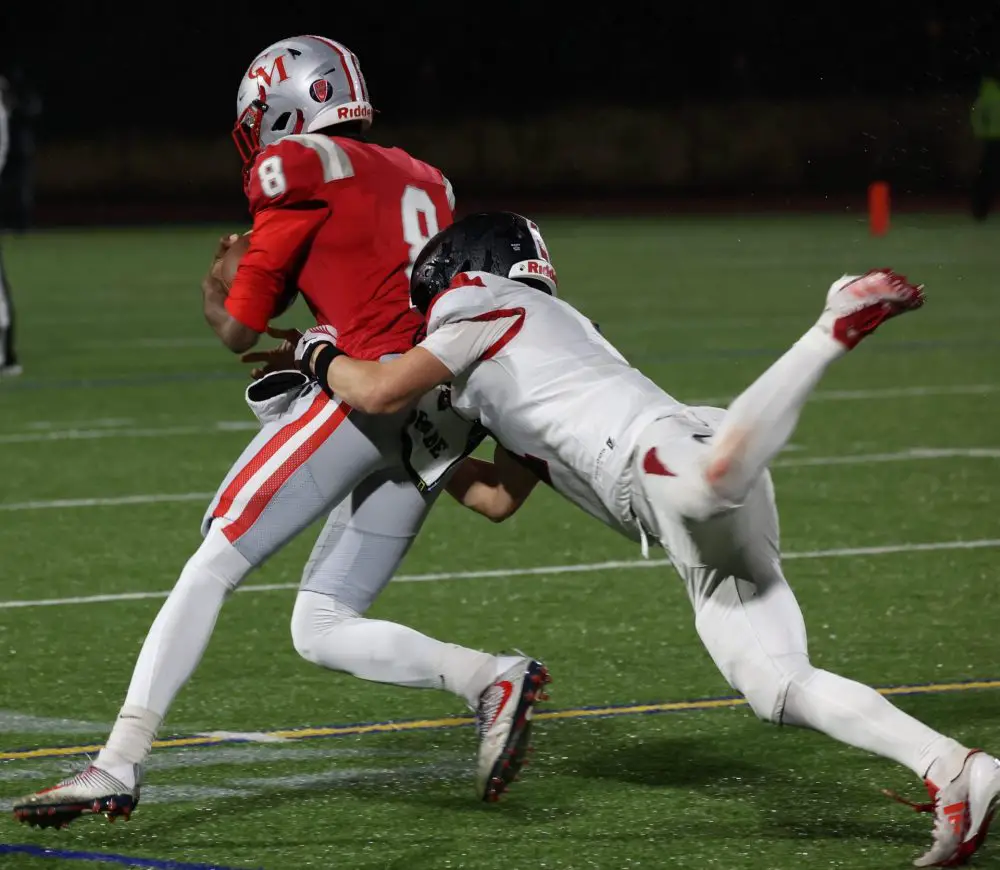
[
  {"x": 296, "y": 85},
  {"x": 246, "y": 133},
  {"x": 501, "y": 243}
]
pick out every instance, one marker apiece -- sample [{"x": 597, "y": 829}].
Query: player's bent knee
[
  {"x": 767, "y": 699},
  {"x": 217, "y": 559},
  {"x": 766, "y": 684},
  {"x": 314, "y": 618}
]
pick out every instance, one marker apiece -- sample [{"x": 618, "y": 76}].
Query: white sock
[
  {"x": 129, "y": 743},
  {"x": 334, "y": 636},
  {"x": 172, "y": 650},
  {"x": 760, "y": 421},
  {"x": 858, "y": 715}
]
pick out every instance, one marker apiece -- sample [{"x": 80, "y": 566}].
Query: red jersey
[{"x": 343, "y": 221}]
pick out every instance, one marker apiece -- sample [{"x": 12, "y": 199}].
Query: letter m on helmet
[{"x": 265, "y": 75}]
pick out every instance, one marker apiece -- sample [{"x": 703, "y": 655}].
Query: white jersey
[{"x": 540, "y": 377}]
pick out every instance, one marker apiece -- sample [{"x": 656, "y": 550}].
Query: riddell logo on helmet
[
  {"x": 536, "y": 267},
  {"x": 352, "y": 113}
]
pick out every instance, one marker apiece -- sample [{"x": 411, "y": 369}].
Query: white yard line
[
  {"x": 538, "y": 571},
  {"x": 154, "y": 432},
  {"x": 14, "y": 722},
  {"x": 918, "y": 392},
  {"x": 908, "y": 455},
  {"x": 114, "y": 428},
  {"x": 221, "y": 756},
  {"x": 244, "y": 787},
  {"x": 153, "y": 498},
  {"x": 95, "y": 423},
  {"x": 913, "y": 453}
]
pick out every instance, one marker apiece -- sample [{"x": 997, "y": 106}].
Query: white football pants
[{"x": 745, "y": 612}]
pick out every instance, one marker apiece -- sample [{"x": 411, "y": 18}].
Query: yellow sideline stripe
[{"x": 461, "y": 721}]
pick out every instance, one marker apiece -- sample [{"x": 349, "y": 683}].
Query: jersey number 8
[
  {"x": 272, "y": 177},
  {"x": 419, "y": 222}
]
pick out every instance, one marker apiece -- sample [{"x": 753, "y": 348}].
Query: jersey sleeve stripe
[
  {"x": 351, "y": 67},
  {"x": 334, "y": 160},
  {"x": 462, "y": 279},
  {"x": 509, "y": 334},
  {"x": 449, "y": 192}
]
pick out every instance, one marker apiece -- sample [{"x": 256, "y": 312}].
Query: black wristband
[{"x": 317, "y": 364}]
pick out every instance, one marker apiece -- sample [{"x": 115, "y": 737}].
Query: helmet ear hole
[{"x": 281, "y": 122}]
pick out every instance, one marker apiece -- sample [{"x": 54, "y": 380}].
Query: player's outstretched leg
[
  {"x": 502, "y": 689},
  {"x": 356, "y": 554},
  {"x": 171, "y": 652},
  {"x": 760, "y": 421},
  {"x": 299, "y": 464},
  {"x": 752, "y": 626}
]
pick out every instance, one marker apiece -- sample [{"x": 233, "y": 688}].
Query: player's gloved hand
[
  {"x": 276, "y": 359},
  {"x": 310, "y": 340},
  {"x": 316, "y": 349}
]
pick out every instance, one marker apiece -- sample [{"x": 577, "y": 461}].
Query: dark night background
[{"x": 123, "y": 94}]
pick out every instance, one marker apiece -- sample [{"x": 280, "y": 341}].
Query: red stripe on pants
[
  {"x": 261, "y": 498},
  {"x": 255, "y": 464}
]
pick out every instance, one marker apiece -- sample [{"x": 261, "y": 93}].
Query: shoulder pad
[
  {"x": 294, "y": 168},
  {"x": 469, "y": 295}
]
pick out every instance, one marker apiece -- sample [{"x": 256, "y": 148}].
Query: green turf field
[{"x": 129, "y": 414}]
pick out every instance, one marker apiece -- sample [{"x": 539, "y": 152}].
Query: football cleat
[
  {"x": 91, "y": 792},
  {"x": 963, "y": 810},
  {"x": 858, "y": 304},
  {"x": 503, "y": 719}
]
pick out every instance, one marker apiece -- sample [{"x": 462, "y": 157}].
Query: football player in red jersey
[{"x": 343, "y": 220}]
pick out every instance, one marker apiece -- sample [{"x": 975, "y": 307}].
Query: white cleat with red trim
[
  {"x": 857, "y": 304},
  {"x": 963, "y": 810},
  {"x": 503, "y": 720}
]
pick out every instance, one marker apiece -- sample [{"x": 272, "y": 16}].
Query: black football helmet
[{"x": 501, "y": 243}]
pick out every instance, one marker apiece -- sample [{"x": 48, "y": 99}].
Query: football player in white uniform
[{"x": 566, "y": 407}]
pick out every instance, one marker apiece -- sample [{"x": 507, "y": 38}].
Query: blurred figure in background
[
  {"x": 986, "y": 127},
  {"x": 24, "y": 106},
  {"x": 8, "y": 358}
]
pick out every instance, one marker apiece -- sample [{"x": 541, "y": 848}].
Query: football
[
  {"x": 230, "y": 263},
  {"x": 231, "y": 259}
]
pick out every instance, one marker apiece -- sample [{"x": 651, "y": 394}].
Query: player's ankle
[
  {"x": 131, "y": 739},
  {"x": 948, "y": 759},
  {"x": 114, "y": 765},
  {"x": 820, "y": 340},
  {"x": 467, "y": 673}
]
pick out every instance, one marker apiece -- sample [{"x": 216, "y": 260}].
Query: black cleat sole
[{"x": 113, "y": 807}]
